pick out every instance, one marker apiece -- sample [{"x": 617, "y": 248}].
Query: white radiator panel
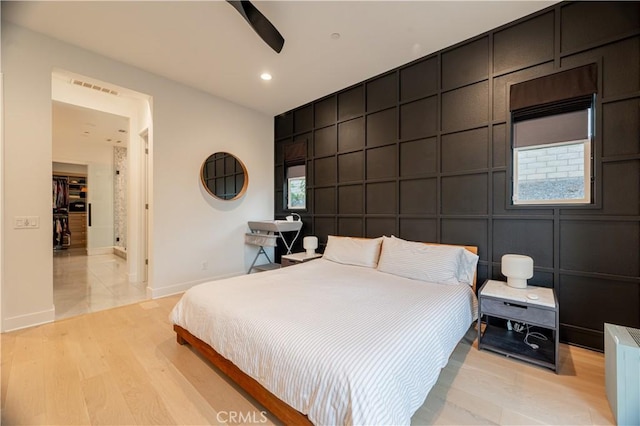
[{"x": 622, "y": 372}]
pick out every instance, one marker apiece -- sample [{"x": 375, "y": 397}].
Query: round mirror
[{"x": 224, "y": 176}]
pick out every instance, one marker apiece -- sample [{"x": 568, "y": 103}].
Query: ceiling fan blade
[{"x": 259, "y": 23}]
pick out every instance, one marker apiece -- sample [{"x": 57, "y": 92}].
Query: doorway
[{"x": 92, "y": 123}]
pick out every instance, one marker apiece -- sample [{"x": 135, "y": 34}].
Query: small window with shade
[
  {"x": 296, "y": 188},
  {"x": 552, "y": 138},
  {"x": 295, "y": 179}
]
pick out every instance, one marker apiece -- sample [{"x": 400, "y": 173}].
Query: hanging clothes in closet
[
  {"x": 60, "y": 191},
  {"x": 60, "y": 204},
  {"x": 61, "y": 231}
]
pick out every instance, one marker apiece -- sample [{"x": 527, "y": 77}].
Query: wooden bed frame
[{"x": 284, "y": 412}]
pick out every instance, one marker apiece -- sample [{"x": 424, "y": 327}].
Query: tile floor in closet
[{"x": 83, "y": 284}]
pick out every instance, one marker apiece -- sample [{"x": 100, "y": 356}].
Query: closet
[{"x": 69, "y": 211}]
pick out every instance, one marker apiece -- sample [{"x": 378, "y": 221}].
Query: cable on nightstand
[{"x": 534, "y": 334}]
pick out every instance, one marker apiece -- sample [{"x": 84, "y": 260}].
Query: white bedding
[{"x": 342, "y": 344}]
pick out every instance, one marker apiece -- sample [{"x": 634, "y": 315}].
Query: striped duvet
[{"x": 341, "y": 344}]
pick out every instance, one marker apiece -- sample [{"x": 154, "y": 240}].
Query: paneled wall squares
[
  {"x": 325, "y": 171},
  {"x": 621, "y": 188},
  {"x": 323, "y": 227},
  {"x": 351, "y": 103},
  {"x": 530, "y": 42},
  {"x": 325, "y": 141},
  {"x": 350, "y": 199},
  {"x": 621, "y": 127},
  {"x": 472, "y": 232},
  {"x": 528, "y": 237},
  {"x": 419, "y": 79},
  {"x": 310, "y": 175},
  {"x": 620, "y": 192},
  {"x": 279, "y": 178},
  {"x": 381, "y": 198},
  {"x": 303, "y": 119},
  {"x": 381, "y": 162},
  {"x": 382, "y": 128},
  {"x": 465, "y": 64},
  {"x": 279, "y": 153},
  {"x": 603, "y": 297},
  {"x": 351, "y": 135},
  {"x": 325, "y": 200},
  {"x": 419, "y": 196},
  {"x": 325, "y": 112},
  {"x": 350, "y": 226},
  {"x": 584, "y": 23},
  {"x": 465, "y": 151},
  {"x": 284, "y": 125},
  {"x": 278, "y": 202},
  {"x": 418, "y": 157},
  {"x": 419, "y": 119},
  {"x": 466, "y": 107},
  {"x": 377, "y": 226},
  {"x": 419, "y": 229},
  {"x": 382, "y": 92},
  {"x": 350, "y": 167},
  {"x": 423, "y": 151},
  {"x": 499, "y": 152},
  {"x": 465, "y": 194},
  {"x": 597, "y": 246}
]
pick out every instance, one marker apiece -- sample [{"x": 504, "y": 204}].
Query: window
[
  {"x": 296, "y": 187},
  {"x": 552, "y": 137},
  {"x": 552, "y": 154}
]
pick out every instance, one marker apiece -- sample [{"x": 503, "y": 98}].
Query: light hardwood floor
[{"x": 123, "y": 367}]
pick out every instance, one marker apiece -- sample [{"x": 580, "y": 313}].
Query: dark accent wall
[{"x": 423, "y": 152}]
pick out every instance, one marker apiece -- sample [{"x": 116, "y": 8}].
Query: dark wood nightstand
[
  {"x": 297, "y": 258},
  {"x": 533, "y": 306}
]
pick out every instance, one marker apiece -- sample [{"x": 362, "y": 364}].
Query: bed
[{"x": 351, "y": 338}]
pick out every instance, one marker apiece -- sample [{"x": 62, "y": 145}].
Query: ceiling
[
  {"x": 83, "y": 125},
  {"x": 207, "y": 44}
]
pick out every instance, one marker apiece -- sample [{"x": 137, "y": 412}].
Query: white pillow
[
  {"x": 353, "y": 251},
  {"x": 433, "y": 263},
  {"x": 468, "y": 265}
]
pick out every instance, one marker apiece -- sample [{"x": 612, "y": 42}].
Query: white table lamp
[
  {"x": 518, "y": 269},
  {"x": 310, "y": 244}
]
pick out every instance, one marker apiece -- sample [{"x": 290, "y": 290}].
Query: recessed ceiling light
[
  {"x": 335, "y": 36},
  {"x": 265, "y": 76}
]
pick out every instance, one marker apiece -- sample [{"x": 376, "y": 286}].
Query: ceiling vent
[{"x": 94, "y": 87}]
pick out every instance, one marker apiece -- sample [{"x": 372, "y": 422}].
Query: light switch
[{"x": 25, "y": 222}]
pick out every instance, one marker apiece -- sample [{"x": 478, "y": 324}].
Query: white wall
[{"x": 187, "y": 226}]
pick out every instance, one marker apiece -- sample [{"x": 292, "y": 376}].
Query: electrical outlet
[{"x": 205, "y": 265}]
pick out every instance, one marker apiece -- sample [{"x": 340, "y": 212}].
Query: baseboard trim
[
  {"x": 120, "y": 252},
  {"x": 29, "y": 320},
  {"x": 155, "y": 293}
]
